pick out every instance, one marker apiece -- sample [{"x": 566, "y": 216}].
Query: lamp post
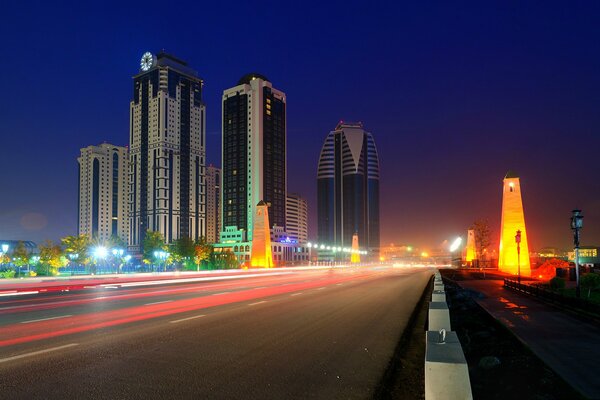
[
  {"x": 73, "y": 257},
  {"x": 100, "y": 253},
  {"x": 162, "y": 255},
  {"x": 576, "y": 225},
  {"x": 3, "y": 251},
  {"x": 118, "y": 253},
  {"x": 518, "y": 241}
]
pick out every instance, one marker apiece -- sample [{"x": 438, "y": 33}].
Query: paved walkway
[{"x": 570, "y": 346}]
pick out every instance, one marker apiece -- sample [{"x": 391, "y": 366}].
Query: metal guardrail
[{"x": 554, "y": 297}]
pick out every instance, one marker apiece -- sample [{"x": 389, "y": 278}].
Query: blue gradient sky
[{"x": 454, "y": 94}]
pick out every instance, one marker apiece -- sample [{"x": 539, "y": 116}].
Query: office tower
[
  {"x": 167, "y": 151},
  {"x": 103, "y": 192},
  {"x": 254, "y": 153},
  {"x": 348, "y": 188},
  {"x": 296, "y": 218},
  {"x": 513, "y": 220},
  {"x": 213, "y": 204}
]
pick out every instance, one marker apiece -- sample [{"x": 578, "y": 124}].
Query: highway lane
[{"x": 310, "y": 334}]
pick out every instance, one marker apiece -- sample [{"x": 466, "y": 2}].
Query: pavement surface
[
  {"x": 568, "y": 345},
  {"x": 291, "y": 335}
]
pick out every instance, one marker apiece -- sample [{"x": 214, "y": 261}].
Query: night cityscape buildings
[
  {"x": 348, "y": 188},
  {"x": 103, "y": 192},
  {"x": 253, "y": 153},
  {"x": 167, "y": 151},
  {"x": 213, "y": 203},
  {"x": 296, "y": 218}
]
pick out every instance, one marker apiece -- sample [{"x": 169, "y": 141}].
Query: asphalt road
[{"x": 325, "y": 334}]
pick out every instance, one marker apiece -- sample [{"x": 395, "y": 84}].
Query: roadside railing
[{"x": 552, "y": 296}]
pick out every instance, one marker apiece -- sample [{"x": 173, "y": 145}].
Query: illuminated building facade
[
  {"x": 296, "y": 218},
  {"x": 348, "y": 188},
  {"x": 513, "y": 219},
  {"x": 167, "y": 151},
  {"x": 213, "y": 204},
  {"x": 103, "y": 192},
  {"x": 253, "y": 153}
]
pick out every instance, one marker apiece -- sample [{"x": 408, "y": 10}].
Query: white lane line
[
  {"x": 262, "y": 287},
  {"x": 19, "y": 293},
  {"x": 109, "y": 287},
  {"x": 321, "y": 288},
  {"x": 187, "y": 319},
  {"x": 258, "y": 302},
  {"x": 45, "y": 319},
  {"x": 89, "y": 287},
  {"x": 158, "y": 302},
  {"x": 218, "y": 294},
  {"x": 339, "y": 284},
  {"x": 296, "y": 294},
  {"x": 35, "y": 353}
]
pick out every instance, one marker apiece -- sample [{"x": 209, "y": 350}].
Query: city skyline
[{"x": 463, "y": 114}]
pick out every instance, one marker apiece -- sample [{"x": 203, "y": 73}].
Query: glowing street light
[
  {"x": 100, "y": 252},
  {"x": 456, "y": 244}
]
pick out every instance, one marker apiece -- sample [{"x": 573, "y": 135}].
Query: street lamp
[
  {"x": 576, "y": 225},
  {"x": 518, "y": 241},
  {"x": 3, "y": 251},
  {"x": 100, "y": 253},
  {"x": 161, "y": 255},
  {"x": 73, "y": 257}
]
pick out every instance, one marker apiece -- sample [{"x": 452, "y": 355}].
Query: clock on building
[{"x": 147, "y": 61}]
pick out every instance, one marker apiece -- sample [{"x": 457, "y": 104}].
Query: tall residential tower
[
  {"x": 348, "y": 188},
  {"x": 254, "y": 153},
  {"x": 213, "y": 204},
  {"x": 167, "y": 151},
  {"x": 296, "y": 219},
  {"x": 103, "y": 188}
]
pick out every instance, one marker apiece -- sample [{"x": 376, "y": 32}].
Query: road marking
[
  {"x": 339, "y": 284},
  {"x": 321, "y": 288},
  {"x": 45, "y": 319},
  {"x": 187, "y": 319},
  {"x": 218, "y": 294},
  {"x": 262, "y": 287},
  {"x": 258, "y": 302},
  {"x": 295, "y": 294},
  {"x": 19, "y": 293},
  {"x": 89, "y": 287},
  {"x": 35, "y": 353},
  {"x": 110, "y": 287},
  {"x": 158, "y": 302}
]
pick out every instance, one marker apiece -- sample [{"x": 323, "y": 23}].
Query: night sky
[{"x": 455, "y": 95}]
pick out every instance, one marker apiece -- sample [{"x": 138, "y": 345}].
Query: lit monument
[
  {"x": 355, "y": 256},
  {"x": 261, "y": 256},
  {"x": 513, "y": 219},
  {"x": 470, "y": 252}
]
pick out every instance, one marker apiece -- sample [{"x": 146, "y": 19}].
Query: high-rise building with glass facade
[
  {"x": 348, "y": 188},
  {"x": 296, "y": 218},
  {"x": 213, "y": 204},
  {"x": 254, "y": 153},
  {"x": 103, "y": 187},
  {"x": 167, "y": 151}
]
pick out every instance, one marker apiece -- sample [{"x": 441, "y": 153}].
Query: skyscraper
[
  {"x": 254, "y": 153},
  {"x": 513, "y": 219},
  {"x": 296, "y": 218},
  {"x": 167, "y": 151},
  {"x": 213, "y": 203},
  {"x": 103, "y": 192},
  {"x": 348, "y": 188}
]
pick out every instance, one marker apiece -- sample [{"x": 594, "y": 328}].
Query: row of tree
[{"x": 184, "y": 253}]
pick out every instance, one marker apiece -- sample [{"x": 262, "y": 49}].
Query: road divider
[{"x": 446, "y": 369}]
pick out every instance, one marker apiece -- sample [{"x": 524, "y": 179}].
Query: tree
[
  {"x": 20, "y": 255},
  {"x": 482, "y": 236},
  {"x": 51, "y": 258},
  {"x": 116, "y": 242},
  {"x": 224, "y": 260},
  {"x": 182, "y": 250},
  {"x": 152, "y": 242},
  {"x": 591, "y": 282},
  {"x": 202, "y": 252},
  {"x": 77, "y": 247}
]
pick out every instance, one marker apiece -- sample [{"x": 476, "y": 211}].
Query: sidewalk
[{"x": 570, "y": 346}]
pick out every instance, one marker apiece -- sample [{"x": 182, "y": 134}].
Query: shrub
[
  {"x": 557, "y": 283},
  {"x": 590, "y": 282},
  {"x": 7, "y": 274}
]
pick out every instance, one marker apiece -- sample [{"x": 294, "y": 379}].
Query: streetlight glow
[{"x": 456, "y": 244}]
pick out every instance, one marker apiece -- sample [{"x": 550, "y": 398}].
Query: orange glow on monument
[
  {"x": 261, "y": 256},
  {"x": 513, "y": 219},
  {"x": 470, "y": 249},
  {"x": 355, "y": 256}
]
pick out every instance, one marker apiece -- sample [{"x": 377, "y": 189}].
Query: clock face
[{"x": 147, "y": 61}]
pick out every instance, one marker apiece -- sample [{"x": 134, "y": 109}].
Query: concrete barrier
[
  {"x": 446, "y": 370},
  {"x": 439, "y": 316},
  {"x": 438, "y": 295},
  {"x": 438, "y": 286}
]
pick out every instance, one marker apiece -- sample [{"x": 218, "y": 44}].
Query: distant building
[
  {"x": 213, "y": 204},
  {"x": 296, "y": 218},
  {"x": 167, "y": 151},
  {"x": 588, "y": 255},
  {"x": 30, "y": 246},
  {"x": 103, "y": 192},
  {"x": 348, "y": 188},
  {"x": 254, "y": 153}
]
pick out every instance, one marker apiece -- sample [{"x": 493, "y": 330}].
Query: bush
[
  {"x": 590, "y": 281},
  {"x": 557, "y": 283},
  {"x": 8, "y": 274}
]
